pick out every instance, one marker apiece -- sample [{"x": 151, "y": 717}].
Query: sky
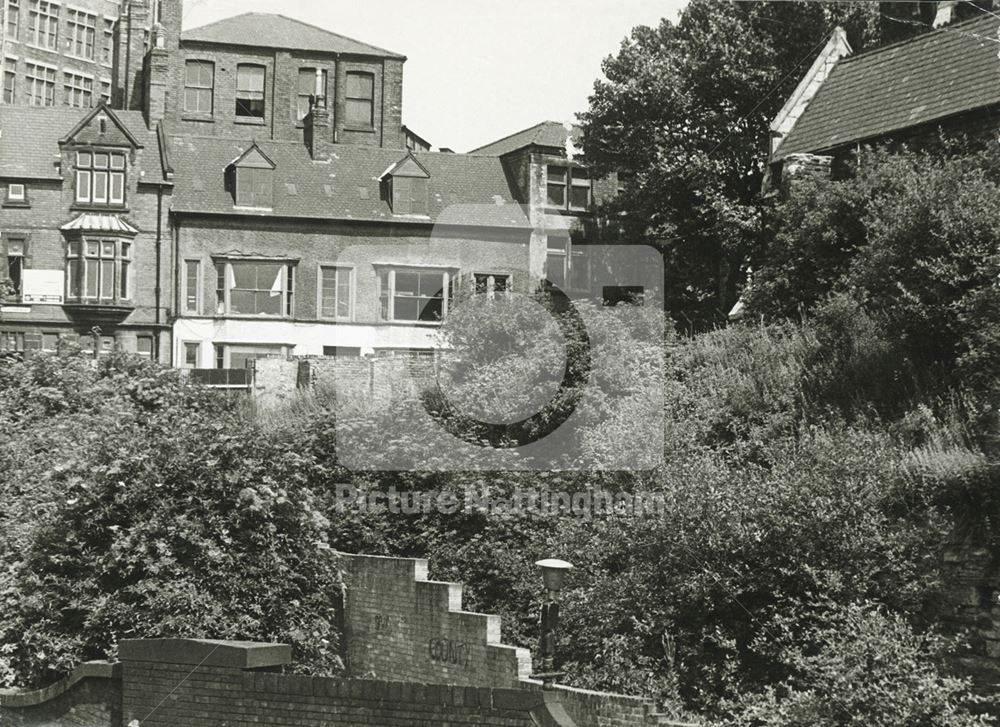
[{"x": 476, "y": 70}]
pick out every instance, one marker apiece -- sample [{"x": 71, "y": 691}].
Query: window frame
[
  {"x": 490, "y": 280},
  {"x": 388, "y": 298},
  {"x": 40, "y": 12},
  {"x": 21, "y": 254},
  {"x": 16, "y": 200},
  {"x": 299, "y": 96},
  {"x": 12, "y": 19},
  {"x": 224, "y": 275},
  {"x": 199, "y": 284},
  {"x": 73, "y": 88},
  {"x": 417, "y": 197},
  {"x": 108, "y": 41},
  {"x": 79, "y": 31},
  {"x": 185, "y": 350},
  {"x": 567, "y": 254},
  {"x": 201, "y": 63},
  {"x": 351, "y": 273},
  {"x": 9, "y": 84},
  {"x": 258, "y": 199},
  {"x": 80, "y": 262},
  {"x": 252, "y": 118},
  {"x": 19, "y": 346},
  {"x": 353, "y": 98},
  {"x": 40, "y": 82},
  {"x": 90, "y": 172},
  {"x": 573, "y": 177}
]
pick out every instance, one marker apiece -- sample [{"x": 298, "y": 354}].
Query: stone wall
[{"x": 90, "y": 697}]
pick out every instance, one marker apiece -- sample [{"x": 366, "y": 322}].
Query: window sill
[
  {"x": 249, "y": 121},
  {"x": 360, "y": 129},
  {"x": 42, "y": 48},
  {"x": 81, "y": 58},
  {"x": 16, "y": 203},
  {"x": 243, "y": 208},
  {"x": 108, "y": 208},
  {"x": 199, "y": 118}
]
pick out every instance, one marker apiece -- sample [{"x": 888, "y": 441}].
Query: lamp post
[{"x": 553, "y": 572}]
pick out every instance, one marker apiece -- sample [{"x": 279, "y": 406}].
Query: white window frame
[
  {"x": 46, "y": 17},
  {"x": 351, "y": 272},
  {"x": 17, "y": 192},
  {"x": 40, "y": 77},
  {"x": 223, "y": 304},
  {"x": 490, "y": 283},
  {"x": 123, "y": 264},
  {"x": 80, "y": 23},
  {"x": 199, "y": 286},
  {"x": 78, "y": 86},
  {"x": 448, "y": 276},
  {"x": 86, "y": 176}
]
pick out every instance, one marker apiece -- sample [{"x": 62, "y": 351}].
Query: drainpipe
[
  {"x": 159, "y": 270},
  {"x": 128, "y": 57}
]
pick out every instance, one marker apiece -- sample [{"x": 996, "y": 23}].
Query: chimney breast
[{"x": 317, "y": 129}]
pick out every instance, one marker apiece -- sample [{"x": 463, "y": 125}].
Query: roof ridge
[
  {"x": 511, "y": 136},
  {"x": 934, "y": 32},
  {"x": 327, "y": 31},
  {"x": 338, "y": 35}
]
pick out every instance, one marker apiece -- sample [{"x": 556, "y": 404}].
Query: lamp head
[{"x": 553, "y": 572}]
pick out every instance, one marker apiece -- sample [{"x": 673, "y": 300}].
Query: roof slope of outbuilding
[
  {"x": 269, "y": 30},
  {"x": 547, "y": 133},
  {"x": 917, "y": 81}
]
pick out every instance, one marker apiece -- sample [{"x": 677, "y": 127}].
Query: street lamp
[{"x": 553, "y": 573}]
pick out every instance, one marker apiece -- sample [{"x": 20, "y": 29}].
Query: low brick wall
[{"x": 90, "y": 697}]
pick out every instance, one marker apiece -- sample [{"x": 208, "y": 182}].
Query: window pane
[
  {"x": 100, "y": 187},
  {"x": 359, "y": 113},
  {"x": 117, "y": 161},
  {"x": 73, "y": 273},
  {"x": 556, "y": 195},
  {"x": 123, "y": 291},
  {"x": 250, "y": 79},
  {"x": 82, "y": 186},
  {"x": 117, "y": 187},
  {"x": 191, "y": 268},
  {"x": 101, "y": 160},
  {"x": 307, "y": 81},
  {"x": 90, "y": 272},
  {"x": 554, "y": 269},
  {"x": 579, "y": 197},
  {"x": 107, "y": 279}
]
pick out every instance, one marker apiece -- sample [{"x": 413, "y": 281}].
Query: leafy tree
[
  {"x": 138, "y": 505},
  {"x": 684, "y": 110}
]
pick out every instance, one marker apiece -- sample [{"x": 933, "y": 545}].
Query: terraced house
[{"x": 264, "y": 198}]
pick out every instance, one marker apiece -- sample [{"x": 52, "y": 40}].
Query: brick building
[
  {"x": 907, "y": 92},
  {"x": 277, "y": 202},
  {"x": 83, "y": 230}
]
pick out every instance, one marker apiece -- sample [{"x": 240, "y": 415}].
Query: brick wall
[{"x": 90, "y": 697}]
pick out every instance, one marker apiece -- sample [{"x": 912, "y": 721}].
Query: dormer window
[
  {"x": 253, "y": 183},
  {"x": 407, "y": 186},
  {"x": 409, "y": 196},
  {"x": 100, "y": 177}
]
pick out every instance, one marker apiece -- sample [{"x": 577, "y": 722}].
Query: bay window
[{"x": 99, "y": 270}]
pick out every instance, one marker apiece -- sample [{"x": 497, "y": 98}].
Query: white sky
[{"x": 475, "y": 70}]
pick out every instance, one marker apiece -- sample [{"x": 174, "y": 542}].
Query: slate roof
[
  {"x": 29, "y": 140},
  {"x": 345, "y": 185},
  {"x": 268, "y": 30},
  {"x": 547, "y": 133},
  {"x": 923, "y": 79}
]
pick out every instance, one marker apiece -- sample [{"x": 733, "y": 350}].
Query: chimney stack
[
  {"x": 318, "y": 135},
  {"x": 945, "y": 12}
]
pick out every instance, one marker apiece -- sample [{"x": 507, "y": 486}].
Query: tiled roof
[
  {"x": 267, "y": 30},
  {"x": 547, "y": 133},
  {"x": 29, "y": 140},
  {"x": 345, "y": 185},
  {"x": 923, "y": 79}
]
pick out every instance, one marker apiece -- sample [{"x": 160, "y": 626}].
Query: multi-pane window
[
  {"x": 144, "y": 346},
  {"x": 192, "y": 350},
  {"x": 108, "y": 41},
  {"x": 192, "y": 286},
  {"x": 409, "y": 195},
  {"x": 99, "y": 270},
  {"x": 360, "y": 97},
  {"x": 100, "y": 177},
  {"x": 106, "y": 90},
  {"x": 78, "y": 90},
  {"x": 254, "y": 187},
  {"x": 199, "y": 85},
  {"x": 12, "y": 342},
  {"x": 566, "y": 264},
  {"x": 40, "y": 84},
  {"x": 250, "y": 91},
  {"x": 254, "y": 287},
  {"x": 9, "y": 82},
  {"x": 43, "y": 23},
  {"x": 15, "y": 263},
  {"x": 13, "y": 24},
  {"x": 568, "y": 188},
  {"x": 335, "y": 292},
  {"x": 307, "y": 90},
  {"x": 81, "y": 33},
  {"x": 492, "y": 285},
  {"x": 414, "y": 294}
]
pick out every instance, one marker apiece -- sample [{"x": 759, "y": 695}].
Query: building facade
[{"x": 251, "y": 191}]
